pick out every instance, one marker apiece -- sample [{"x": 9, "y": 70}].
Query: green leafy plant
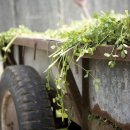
[
  {"x": 105, "y": 29},
  {"x": 7, "y": 38}
]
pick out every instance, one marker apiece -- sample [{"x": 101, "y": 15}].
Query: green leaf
[
  {"x": 67, "y": 67},
  {"x": 125, "y": 51},
  {"x": 86, "y": 75},
  {"x": 123, "y": 55},
  {"x": 115, "y": 56},
  {"x": 58, "y": 87},
  {"x": 107, "y": 54},
  {"x": 111, "y": 64},
  {"x": 96, "y": 83},
  {"x": 120, "y": 47},
  {"x": 84, "y": 39},
  {"x": 90, "y": 117},
  {"x": 53, "y": 47},
  {"x": 125, "y": 45},
  {"x": 90, "y": 51}
]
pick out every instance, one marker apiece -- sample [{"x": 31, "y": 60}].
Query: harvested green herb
[{"x": 85, "y": 37}]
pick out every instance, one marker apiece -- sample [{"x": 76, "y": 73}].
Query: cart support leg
[
  {"x": 85, "y": 95},
  {"x": 75, "y": 95}
]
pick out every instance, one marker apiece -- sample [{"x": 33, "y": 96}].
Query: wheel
[{"x": 24, "y": 102}]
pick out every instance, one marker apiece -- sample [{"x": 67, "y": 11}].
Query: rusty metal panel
[
  {"x": 112, "y": 100},
  {"x": 93, "y": 125}
]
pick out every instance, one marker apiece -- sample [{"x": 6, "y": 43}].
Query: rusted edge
[{"x": 98, "y": 112}]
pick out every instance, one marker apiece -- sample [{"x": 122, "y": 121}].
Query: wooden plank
[
  {"x": 45, "y": 44},
  {"x": 99, "y": 53},
  {"x": 42, "y": 44},
  {"x": 75, "y": 95}
]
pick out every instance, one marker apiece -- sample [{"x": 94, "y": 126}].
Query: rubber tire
[{"x": 30, "y": 98}]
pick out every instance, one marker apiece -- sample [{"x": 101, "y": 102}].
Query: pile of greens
[
  {"x": 81, "y": 37},
  {"x": 104, "y": 29}
]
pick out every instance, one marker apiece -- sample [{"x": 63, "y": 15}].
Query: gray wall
[
  {"x": 108, "y": 5},
  {"x": 6, "y": 14},
  {"x": 40, "y": 15}
]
